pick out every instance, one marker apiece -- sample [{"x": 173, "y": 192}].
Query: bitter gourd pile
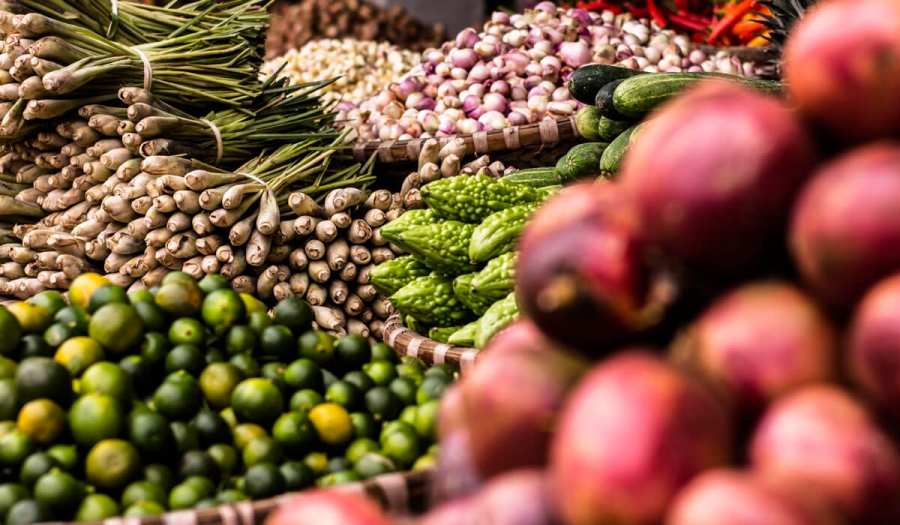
[{"x": 457, "y": 283}]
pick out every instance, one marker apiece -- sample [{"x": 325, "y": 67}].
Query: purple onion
[
  {"x": 447, "y": 127},
  {"x": 518, "y": 93},
  {"x": 459, "y": 73},
  {"x": 517, "y": 118},
  {"x": 345, "y": 105},
  {"x": 537, "y": 91},
  {"x": 426, "y": 103},
  {"x": 467, "y": 38},
  {"x": 464, "y": 58},
  {"x": 549, "y": 7},
  {"x": 475, "y": 113},
  {"x": 533, "y": 81},
  {"x": 471, "y": 103},
  {"x": 501, "y": 87},
  {"x": 581, "y": 16},
  {"x": 559, "y": 94},
  {"x": 495, "y": 102},
  {"x": 477, "y": 90},
  {"x": 548, "y": 48},
  {"x": 575, "y": 54},
  {"x": 552, "y": 35},
  {"x": 499, "y": 17},
  {"x": 485, "y": 49},
  {"x": 479, "y": 74},
  {"x": 446, "y": 89}
]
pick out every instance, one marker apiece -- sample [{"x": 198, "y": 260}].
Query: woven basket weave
[
  {"x": 408, "y": 343},
  {"x": 399, "y": 494}
]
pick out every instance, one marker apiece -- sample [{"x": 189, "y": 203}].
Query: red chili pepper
[
  {"x": 734, "y": 15},
  {"x": 600, "y": 4},
  {"x": 658, "y": 13},
  {"x": 687, "y": 23},
  {"x": 694, "y": 17}
]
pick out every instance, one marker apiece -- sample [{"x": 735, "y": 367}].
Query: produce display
[
  {"x": 359, "y": 67},
  {"x": 191, "y": 396},
  {"x": 513, "y": 72}
]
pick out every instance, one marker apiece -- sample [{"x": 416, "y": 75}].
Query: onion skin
[
  {"x": 519, "y": 387},
  {"x": 760, "y": 341},
  {"x": 733, "y": 497},
  {"x": 844, "y": 52},
  {"x": 873, "y": 348},
  {"x": 634, "y": 431},
  {"x": 713, "y": 177},
  {"x": 822, "y": 439},
  {"x": 327, "y": 507},
  {"x": 844, "y": 233}
]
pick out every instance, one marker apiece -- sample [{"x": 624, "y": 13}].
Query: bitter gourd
[
  {"x": 465, "y": 336},
  {"x": 443, "y": 247},
  {"x": 471, "y": 199},
  {"x": 431, "y": 300},
  {"x": 442, "y": 335},
  {"x": 498, "y": 233},
  {"x": 462, "y": 287},
  {"x": 410, "y": 219},
  {"x": 497, "y": 316},
  {"x": 390, "y": 276},
  {"x": 497, "y": 278}
]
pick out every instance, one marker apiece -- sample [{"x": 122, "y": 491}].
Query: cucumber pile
[
  {"x": 618, "y": 100},
  {"x": 191, "y": 395}
]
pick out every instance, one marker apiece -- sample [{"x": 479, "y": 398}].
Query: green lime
[
  {"x": 199, "y": 463},
  {"x": 150, "y": 432},
  {"x": 152, "y": 316},
  {"x": 33, "y": 345},
  {"x": 383, "y": 351},
  {"x": 332, "y": 424},
  {"x": 155, "y": 348},
  {"x": 159, "y": 475},
  {"x": 117, "y": 327},
  {"x": 257, "y": 400},
  {"x": 304, "y": 374},
  {"x": 213, "y": 282},
  {"x": 431, "y": 388},
  {"x": 95, "y": 417},
  {"x": 262, "y": 449},
  {"x": 352, "y": 352},
  {"x": 231, "y": 496},
  {"x": 402, "y": 445},
  {"x": 11, "y": 330},
  {"x": 252, "y": 304},
  {"x": 364, "y": 425},
  {"x": 294, "y": 432},
  {"x": 222, "y": 309},
  {"x": 408, "y": 414},
  {"x": 383, "y": 404},
  {"x": 405, "y": 389},
  {"x": 206, "y": 503},
  {"x": 6, "y": 427},
  {"x": 337, "y": 464},
  {"x": 240, "y": 339},
  {"x": 229, "y": 417},
  {"x": 345, "y": 394},
  {"x": 328, "y": 378},
  {"x": 140, "y": 373},
  {"x": 185, "y": 495},
  {"x": 297, "y": 476},
  {"x": 359, "y": 379},
  {"x": 186, "y": 437},
  {"x": 316, "y": 345},
  {"x": 57, "y": 333},
  {"x": 179, "y": 397},
  {"x": 10, "y": 493},
  {"x": 274, "y": 372},
  {"x": 338, "y": 478},
  {"x": 187, "y": 357},
  {"x": 143, "y": 490},
  {"x": 316, "y": 462},
  {"x": 413, "y": 371},
  {"x": 180, "y": 298},
  {"x": 226, "y": 457},
  {"x": 426, "y": 418},
  {"x": 28, "y": 511},
  {"x": 259, "y": 321},
  {"x": 106, "y": 294},
  {"x": 218, "y": 381},
  {"x": 144, "y": 509},
  {"x": 42, "y": 377},
  {"x": 8, "y": 368},
  {"x": 248, "y": 366},
  {"x": 108, "y": 379},
  {"x": 211, "y": 428},
  {"x": 66, "y": 456},
  {"x": 359, "y": 447},
  {"x": 51, "y": 300},
  {"x": 35, "y": 466},
  {"x": 247, "y": 432},
  {"x": 442, "y": 369},
  {"x": 294, "y": 313},
  {"x": 304, "y": 400},
  {"x": 277, "y": 342},
  {"x": 97, "y": 507},
  {"x": 78, "y": 353},
  {"x": 43, "y": 420},
  {"x": 382, "y": 372},
  {"x": 112, "y": 463},
  {"x": 59, "y": 490},
  {"x": 424, "y": 462},
  {"x": 139, "y": 296},
  {"x": 32, "y": 319},
  {"x": 263, "y": 480},
  {"x": 76, "y": 318},
  {"x": 214, "y": 356},
  {"x": 206, "y": 486},
  {"x": 373, "y": 464},
  {"x": 9, "y": 408},
  {"x": 187, "y": 331}
]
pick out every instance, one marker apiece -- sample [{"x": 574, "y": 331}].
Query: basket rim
[{"x": 406, "y": 342}]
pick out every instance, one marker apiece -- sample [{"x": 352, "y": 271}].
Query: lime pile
[{"x": 191, "y": 395}]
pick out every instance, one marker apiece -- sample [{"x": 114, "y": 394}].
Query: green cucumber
[
  {"x": 581, "y": 161},
  {"x": 635, "y": 97},
  {"x": 613, "y": 155},
  {"x": 609, "y": 129},
  {"x": 586, "y": 81},
  {"x": 534, "y": 177},
  {"x": 604, "y": 101},
  {"x": 588, "y": 122}
]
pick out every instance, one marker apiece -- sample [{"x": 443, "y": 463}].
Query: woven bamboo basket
[
  {"x": 399, "y": 494},
  {"x": 408, "y": 343}
]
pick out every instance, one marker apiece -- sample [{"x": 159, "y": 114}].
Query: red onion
[
  {"x": 494, "y": 119},
  {"x": 549, "y": 7},
  {"x": 517, "y": 118},
  {"x": 581, "y": 16},
  {"x": 467, "y": 38},
  {"x": 459, "y": 73},
  {"x": 537, "y": 91},
  {"x": 552, "y": 35},
  {"x": 426, "y": 103},
  {"x": 406, "y": 87},
  {"x": 446, "y": 90},
  {"x": 443, "y": 69},
  {"x": 464, "y": 58},
  {"x": 495, "y": 102},
  {"x": 501, "y": 87},
  {"x": 548, "y": 48},
  {"x": 518, "y": 93},
  {"x": 345, "y": 105},
  {"x": 471, "y": 103},
  {"x": 485, "y": 49},
  {"x": 479, "y": 73},
  {"x": 499, "y": 17},
  {"x": 575, "y": 54}
]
